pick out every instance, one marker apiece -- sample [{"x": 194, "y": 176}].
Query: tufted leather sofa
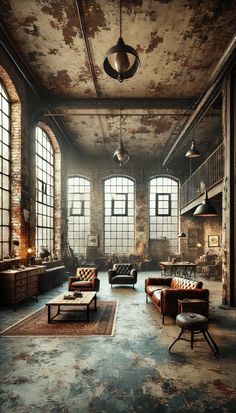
[
  {"x": 85, "y": 280},
  {"x": 122, "y": 273},
  {"x": 165, "y": 293}
]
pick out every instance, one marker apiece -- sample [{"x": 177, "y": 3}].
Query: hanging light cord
[
  {"x": 120, "y": 127},
  {"x": 120, "y": 20}
]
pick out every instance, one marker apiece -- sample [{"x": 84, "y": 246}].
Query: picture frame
[
  {"x": 92, "y": 241},
  {"x": 213, "y": 241}
]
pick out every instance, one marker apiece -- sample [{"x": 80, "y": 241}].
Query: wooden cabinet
[{"x": 17, "y": 285}]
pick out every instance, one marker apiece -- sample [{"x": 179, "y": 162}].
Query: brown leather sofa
[
  {"x": 165, "y": 293},
  {"x": 85, "y": 280}
]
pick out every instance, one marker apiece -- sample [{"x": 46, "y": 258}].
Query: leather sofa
[
  {"x": 165, "y": 292},
  {"x": 85, "y": 280},
  {"x": 122, "y": 273}
]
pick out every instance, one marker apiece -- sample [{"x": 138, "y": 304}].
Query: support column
[{"x": 229, "y": 190}]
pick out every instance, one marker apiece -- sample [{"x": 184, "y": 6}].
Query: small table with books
[{"x": 72, "y": 301}]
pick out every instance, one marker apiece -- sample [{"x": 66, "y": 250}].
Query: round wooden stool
[{"x": 195, "y": 324}]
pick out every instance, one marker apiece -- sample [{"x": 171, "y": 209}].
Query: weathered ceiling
[{"x": 63, "y": 44}]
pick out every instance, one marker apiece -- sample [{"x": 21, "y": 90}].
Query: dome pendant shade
[
  {"x": 121, "y": 62},
  {"x": 122, "y": 69},
  {"x": 193, "y": 152},
  {"x": 121, "y": 155},
  {"x": 205, "y": 209},
  {"x": 181, "y": 235}
]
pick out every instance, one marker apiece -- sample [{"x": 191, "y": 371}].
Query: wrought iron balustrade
[{"x": 207, "y": 175}]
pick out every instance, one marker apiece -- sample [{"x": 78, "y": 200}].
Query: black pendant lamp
[
  {"x": 123, "y": 55},
  {"x": 193, "y": 152},
  {"x": 121, "y": 155},
  {"x": 205, "y": 209},
  {"x": 181, "y": 235}
]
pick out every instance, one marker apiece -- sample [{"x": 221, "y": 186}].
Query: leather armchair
[
  {"x": 122, "y": 274},
  {"x": 85, "y": 280}
]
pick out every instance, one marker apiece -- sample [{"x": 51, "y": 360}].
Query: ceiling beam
[
  {"x": 87, "y": 45},
  {"x": 120, "y": 103}
]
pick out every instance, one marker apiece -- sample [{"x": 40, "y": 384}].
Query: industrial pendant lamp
[
  {"x": 205, "y": 209},
  {"x": 193, "y": 152},
  {"x": 121, "y": 61},
  {"x": 181, "y": 235},
  {"x": 121, "y": 155}
]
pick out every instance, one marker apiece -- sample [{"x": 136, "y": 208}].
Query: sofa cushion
[
  {"x": 81, "y": 284},
  {"x": 156, "y": 296},
  {"x": 122, "y": 279},
  {"x": 179, "y": 283},
  {"x": 150, "y": 289}
]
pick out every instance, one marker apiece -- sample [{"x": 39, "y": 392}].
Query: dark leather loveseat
[{"x": 165, "y": 293}]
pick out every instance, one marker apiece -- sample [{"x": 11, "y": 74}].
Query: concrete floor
[{"x": 131, "y": 372}]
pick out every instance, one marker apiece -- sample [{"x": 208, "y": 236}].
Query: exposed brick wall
[{"x": 100, "y": 170}]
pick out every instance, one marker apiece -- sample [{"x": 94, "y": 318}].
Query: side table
[{"x": 188, "y": 305}]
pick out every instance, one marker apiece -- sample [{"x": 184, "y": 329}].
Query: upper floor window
[
  {"x": 45, "y": 183},
  {"x": 119, "y": 214},
  {"x": 5, "y": 185},
  {"x": 163, "y": 201},
  {"x": 78, "y": 214}
]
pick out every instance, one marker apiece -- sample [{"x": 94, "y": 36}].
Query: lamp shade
[
  {"x": 123, "y": 56},
  {"x": 121, "y": 155},
  {"x": 193, "y": 152},
  {"x": 181, "y": 235},
  {"x": 205, "y": 209}
]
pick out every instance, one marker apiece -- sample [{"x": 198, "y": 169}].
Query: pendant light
[
  {"x": 193, "y": 152},
  {"x": 121, "y": 155},
  {"x": 181, "y": 235},
  {"x": 123, "y": 55},
  {"x": 205, "y": 209}
]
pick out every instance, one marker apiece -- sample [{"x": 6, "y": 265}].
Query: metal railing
[{"x": 207, "y": 175}]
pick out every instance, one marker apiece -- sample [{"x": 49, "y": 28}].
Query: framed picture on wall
[
  {"x": 92, "y": 241},
  {"x": 193, "y": 238},
  {"x": 213, "y": 240}
]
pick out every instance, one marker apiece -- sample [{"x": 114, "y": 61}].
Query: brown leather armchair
[
  {"x": 122, "y": 273},
  {"x": 85, "y": 280}
]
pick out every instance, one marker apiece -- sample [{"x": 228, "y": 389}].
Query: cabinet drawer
[
  {"x": 20, "y": 276},
  {"x": 32, "y": 278},
  {"x": 21, "y": 292},
  {"x": 21, "y": 282},
  {"x": 33, "y": 288}
]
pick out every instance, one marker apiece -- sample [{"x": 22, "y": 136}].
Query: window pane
[
  {"x": 79, "y": 213},
  {"x": 45, "y": 192},
  {"x": 4, "y": 173},
  {"x": 119, "y": 215},
  {"x": 163, "y": 211}
]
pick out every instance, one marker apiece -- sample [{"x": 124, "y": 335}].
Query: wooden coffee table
[{"x": 87, "y": 298}]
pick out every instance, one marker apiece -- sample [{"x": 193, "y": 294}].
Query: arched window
[
  {"x": 78, "y": 214},
  {"x": 119, "y": 215},
  {"x": 163, "y": 197},
  {"x": 45, "y": 187},
  {"x": 5, "y": 181}
]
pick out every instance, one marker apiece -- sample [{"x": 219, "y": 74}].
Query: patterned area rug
[{"x": 101, "y": 322}]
